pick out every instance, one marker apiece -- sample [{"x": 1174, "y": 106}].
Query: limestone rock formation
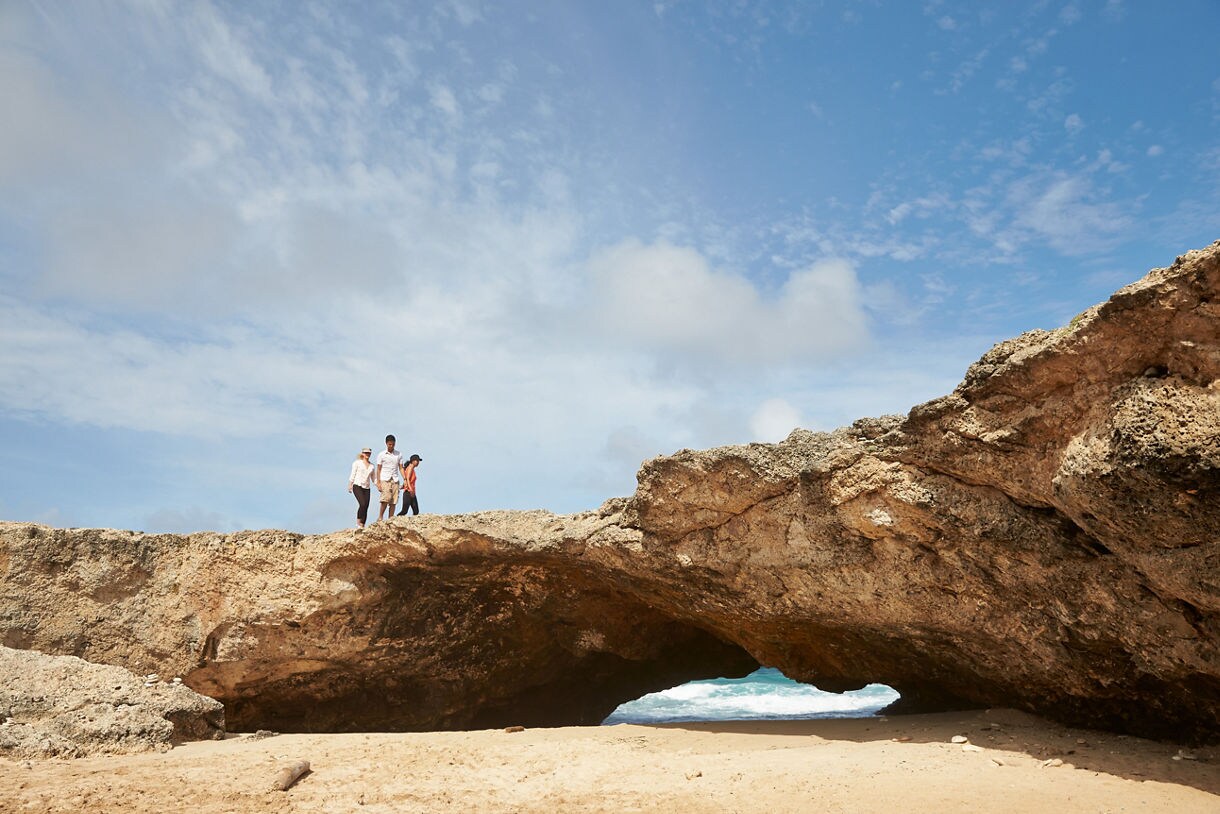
[
  {"x": 1046, "y": 537},
  {"x": 61, "y": 706}
]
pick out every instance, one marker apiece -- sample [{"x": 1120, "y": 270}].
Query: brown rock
[
  {"x": 66, "y": 707},
  {"x": 1046, "y": 537}
]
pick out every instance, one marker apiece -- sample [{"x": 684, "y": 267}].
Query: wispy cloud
[{"x": 1067, "y": 212}]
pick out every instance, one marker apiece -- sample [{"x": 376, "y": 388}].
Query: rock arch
[{"x": 1046, "y": 537}]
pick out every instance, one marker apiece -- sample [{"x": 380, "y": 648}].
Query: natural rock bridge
[{"x": 1047, "y": 537}]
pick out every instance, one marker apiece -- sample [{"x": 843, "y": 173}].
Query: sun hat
[{"x": 366, "y": 449}]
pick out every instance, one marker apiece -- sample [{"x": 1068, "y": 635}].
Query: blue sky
[{"x": 541, "y": 242}]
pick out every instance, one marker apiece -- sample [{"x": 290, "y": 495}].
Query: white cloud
[
  {"x": 899, "y": 213},
  {"x": 668, "y": 301},
  {"x": 774, "y": 420},
  {"x": 1073, "y": 124},
  {"x": 465, "y": 11},
  {"x": 444, "y": 100},
  {"x": 1155, "y": 150}
]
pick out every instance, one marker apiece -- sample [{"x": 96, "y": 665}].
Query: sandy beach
[{"x": 901, "y": 763}]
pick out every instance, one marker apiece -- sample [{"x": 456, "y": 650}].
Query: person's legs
[
  {"x": 362, "y": 498},
  {"x": 410, "y": 500},
  {"x": 389, "y": 498}
]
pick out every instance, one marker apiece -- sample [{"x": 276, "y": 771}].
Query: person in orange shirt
[{"x": 408, "y": 485}]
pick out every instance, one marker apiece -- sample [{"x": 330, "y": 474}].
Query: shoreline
[{"x": 901, "y": 763}]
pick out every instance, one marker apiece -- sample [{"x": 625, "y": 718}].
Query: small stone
[
  {"x": 970, "y": 747},
  {"x": 902, "y": 739},
  {"x": 1052, "y": 763},
  {"x": 959, "y": 739},
  {"x": 1081, "y": 742},
  {"x": 694, "y": 774},
  {"x": 1184, "y": 755},
  {"x": 514, "y": 729}
]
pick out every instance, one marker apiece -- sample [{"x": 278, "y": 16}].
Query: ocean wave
[{"x": 763, "y": 695}]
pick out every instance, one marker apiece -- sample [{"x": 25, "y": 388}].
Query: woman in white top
[{"x": 359, "y": 483}]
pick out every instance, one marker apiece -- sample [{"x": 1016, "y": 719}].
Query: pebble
[
  {"x": 970, "y": 747},
  {"x": 1184, "y": 755},
  {"x": 959, "y": 739},
  {"x": 902, "y": 739},
  {"x": 1052, "y": 763},
  {"x": 514, "y": 729},
  {"x": 694, "y": 774}
]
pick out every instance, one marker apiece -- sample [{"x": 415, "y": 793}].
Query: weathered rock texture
[
  {"x": 61, "y": 706},
  {"x": 1046, "y": 537}
]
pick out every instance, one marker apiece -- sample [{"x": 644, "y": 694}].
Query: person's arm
[
  {"x": 352, "y": 477},
  {"x": 377, "y": 474}
]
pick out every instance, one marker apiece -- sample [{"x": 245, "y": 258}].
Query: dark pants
[
  {"x": 408, "y": 502},
  {"x": 362, "y": 497}
]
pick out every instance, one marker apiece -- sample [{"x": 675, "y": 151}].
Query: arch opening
[{"x": 764, "y": 695}]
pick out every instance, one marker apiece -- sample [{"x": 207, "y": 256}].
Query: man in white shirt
[{"x": 386, "y": 478}]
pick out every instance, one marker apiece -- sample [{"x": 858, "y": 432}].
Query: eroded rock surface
[
  {"x": 1046, "y": 537},
  {"x": 62, "y": 706}
]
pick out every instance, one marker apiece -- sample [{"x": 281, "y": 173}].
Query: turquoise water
[{"x": 765, "y": 694}]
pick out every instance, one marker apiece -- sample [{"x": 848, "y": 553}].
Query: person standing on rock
[
  {"x": 389, "y": 467},
  {"x": 360, "y": 483},
  {"x": 408, "y": 488}
]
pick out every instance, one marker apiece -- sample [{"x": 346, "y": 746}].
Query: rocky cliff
[{"x": 1046, "y": 537}]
